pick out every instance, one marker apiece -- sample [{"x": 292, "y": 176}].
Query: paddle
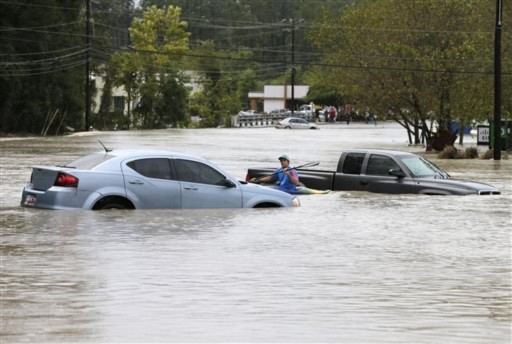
[{"x": 309, "y": 164}]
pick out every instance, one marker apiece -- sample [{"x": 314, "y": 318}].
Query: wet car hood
[{"x": 458, "y": 183}]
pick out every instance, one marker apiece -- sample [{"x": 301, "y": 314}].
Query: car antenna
[{"x": 106, "y": 149}]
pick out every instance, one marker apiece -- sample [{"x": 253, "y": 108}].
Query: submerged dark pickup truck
[{"x": 385, "y": 171}]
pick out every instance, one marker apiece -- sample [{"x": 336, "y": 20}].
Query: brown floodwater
[{"x": 347, "y": 267}]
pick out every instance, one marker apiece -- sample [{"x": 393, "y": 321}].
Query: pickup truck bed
[{"x": 314, "y": 179}]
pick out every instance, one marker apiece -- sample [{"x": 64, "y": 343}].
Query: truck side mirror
[{"x": 396, "y": 172}]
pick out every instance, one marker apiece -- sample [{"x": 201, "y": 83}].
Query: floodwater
[{"x": 346, "y": 267}]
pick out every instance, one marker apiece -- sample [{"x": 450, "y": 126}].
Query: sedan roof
[{"x": 126, "y": 153}]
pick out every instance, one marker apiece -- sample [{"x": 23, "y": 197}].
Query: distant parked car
[
  {"x": 138, "y": 179},
  {"x": 295, "y": 123}
]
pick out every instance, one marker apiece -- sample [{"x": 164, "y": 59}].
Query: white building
[
  {"x": 120, "y": 97},
  {"x": 278, "y": 96}
]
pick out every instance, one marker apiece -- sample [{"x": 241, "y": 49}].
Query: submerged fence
[{"x": 265, "y": 120}]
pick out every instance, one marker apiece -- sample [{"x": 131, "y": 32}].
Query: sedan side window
[
  {"x": 159, "y": 168},
  {"x": 379, "y": 165},
  {"x": 196, "y": 172},
  {"x": 353, "y": 163}
]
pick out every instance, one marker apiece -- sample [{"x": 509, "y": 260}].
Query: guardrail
[{"x": 264, "y": 120}]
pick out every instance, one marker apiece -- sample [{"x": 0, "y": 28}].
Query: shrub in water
[
  {"x": 449, "y": 152},
  {"x": 471, "y": 153},
  {"x": 489, "y": 154}
]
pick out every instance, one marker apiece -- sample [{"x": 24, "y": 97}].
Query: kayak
[{"x": 301, "y": 190}]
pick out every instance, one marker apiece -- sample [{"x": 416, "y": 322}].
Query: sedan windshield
[{"x": 421, "y": 168}]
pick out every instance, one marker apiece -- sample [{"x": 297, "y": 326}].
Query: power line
[
  {"x": 348, "y": 66},
  {"x": 42, "y": 52},
  {"x": 8, "y": 28},
  {"x": 49, "y": 60},
  {"x": 42, "y": 71}
]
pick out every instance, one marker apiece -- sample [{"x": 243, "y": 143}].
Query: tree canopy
[{"x": 419, "y": 62}]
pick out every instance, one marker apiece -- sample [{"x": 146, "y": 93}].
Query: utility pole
[
  {"x": 293, "y": 65},
  {"x": 292, "y": 23},
  {"x": 497, "y": 81},
  {"x": 87, "y": 67}
]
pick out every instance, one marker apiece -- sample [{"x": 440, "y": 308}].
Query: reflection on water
[{"x": 345, "y": 267}]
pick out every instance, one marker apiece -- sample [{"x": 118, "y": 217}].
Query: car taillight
[
  {"x": 247, "y": 178},
  {"x": 66, "y": 180}
]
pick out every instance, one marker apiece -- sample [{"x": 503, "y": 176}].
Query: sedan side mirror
[
  {"x": 228, "y": 183},
  {"x": 396, "y": 172}
]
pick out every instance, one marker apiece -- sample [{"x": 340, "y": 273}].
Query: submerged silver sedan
[{"x": 138, "y": 179}]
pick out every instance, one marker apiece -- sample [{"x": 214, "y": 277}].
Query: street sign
[{"x": 483, "y": 134}]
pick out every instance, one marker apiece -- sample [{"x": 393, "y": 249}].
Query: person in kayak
[{"x": 285, "y": 178}]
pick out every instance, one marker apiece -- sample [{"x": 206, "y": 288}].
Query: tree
[
  {"x": 41, "y": 67},
  {"x": 417, "y": 61},
  {"x": 159, "y": 40},
  {"x": 226, "y": 78}
]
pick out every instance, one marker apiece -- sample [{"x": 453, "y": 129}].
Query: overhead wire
[
  {"x": 302, "y": 57},
  {"x": 318, "y": 64},
  {"x": 42, "y": 71},
  {"x": 10, "y": 28},
  {"x": 42, "y": 52},
  {"x": 48, "y": 60}
]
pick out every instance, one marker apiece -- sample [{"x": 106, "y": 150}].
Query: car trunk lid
[{"x": 44, "y": 178}]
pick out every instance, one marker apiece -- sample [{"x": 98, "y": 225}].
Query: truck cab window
[
  {"x": 379, "y": 165},
  {"x": 353, "y": 163}
]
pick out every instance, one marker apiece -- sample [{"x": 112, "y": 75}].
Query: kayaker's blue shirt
[{"x": 285, "y": 184}]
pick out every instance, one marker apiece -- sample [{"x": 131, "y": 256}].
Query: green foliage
[
  {"x": 422, "y": 61},
  {"x": 414, "y": 60},
  {"x": 159, "y": 41},
  {"x": 216, "y": 103},
  {"x": 40, "y": 70}
]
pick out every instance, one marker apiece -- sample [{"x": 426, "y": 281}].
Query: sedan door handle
[
  {"x": 136, "y": 182},
  {"x": 363, "y": 183},
  {"x": 190, "y": 188}
]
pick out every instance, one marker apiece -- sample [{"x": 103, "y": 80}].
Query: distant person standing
[{"x": 332, "y": 114}]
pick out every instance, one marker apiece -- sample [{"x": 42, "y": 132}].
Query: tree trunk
[
  {"x": 461, "y": 132},
  {"x": 129, "y": 112},
  {"x": 416, "y": 132}
]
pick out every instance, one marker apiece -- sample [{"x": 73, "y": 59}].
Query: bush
[
  {"x": 471, "y": 153},
  {"x": 489, "y": 154},
  {"x": 450, "y": 152}
]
